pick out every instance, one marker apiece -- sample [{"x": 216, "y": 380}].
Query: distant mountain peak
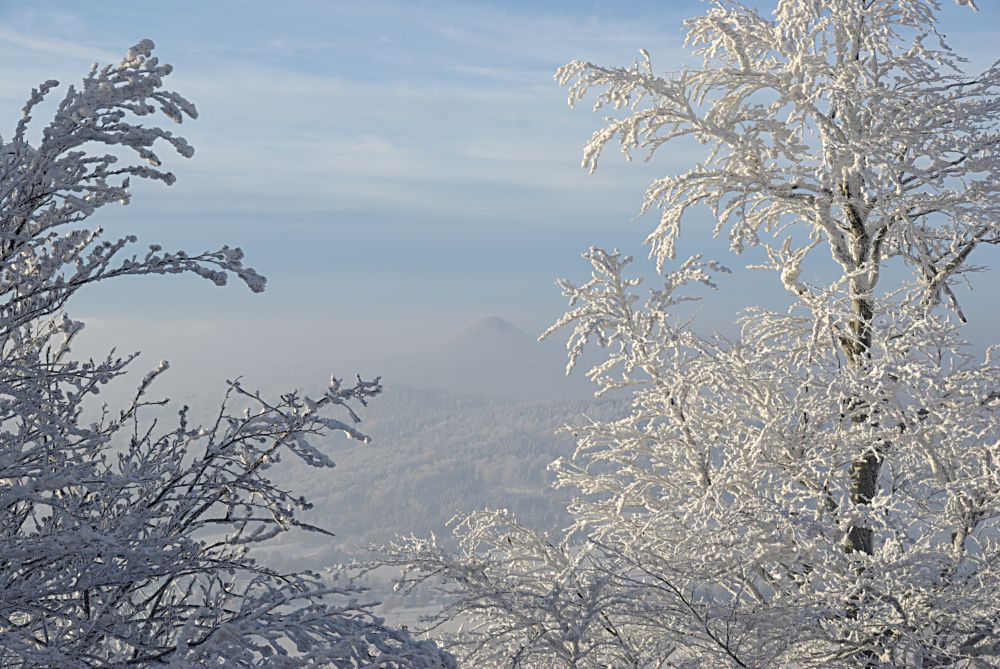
[
  {"x": 490, "y": 328},
  {"x": 492, "y": 357}
]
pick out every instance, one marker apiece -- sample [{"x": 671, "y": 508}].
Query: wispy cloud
[{"x": 57, "y": 46}]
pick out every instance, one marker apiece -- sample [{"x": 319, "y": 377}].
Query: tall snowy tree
[
  {"x": 124, "y": 543},
  {"x": 823, "y": 490}
]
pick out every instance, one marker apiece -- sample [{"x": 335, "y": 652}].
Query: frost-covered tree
[
  {"x": 124, "y": 542},
  {"x": 823, "y": 490}
]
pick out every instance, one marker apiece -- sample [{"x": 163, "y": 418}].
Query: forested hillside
[{"x": 435, "y": 454}]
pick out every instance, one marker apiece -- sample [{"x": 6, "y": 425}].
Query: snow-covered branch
[{"x": 124, "y": 542}]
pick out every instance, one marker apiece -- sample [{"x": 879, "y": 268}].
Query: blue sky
[{"x": 394, "y": 168}]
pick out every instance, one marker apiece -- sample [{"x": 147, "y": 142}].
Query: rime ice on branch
[
  {"x": 822, "y": 491},
  {"x": 124, "y": 543}
]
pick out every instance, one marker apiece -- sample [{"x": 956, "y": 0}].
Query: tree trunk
[{"x": 857, "y": 345}]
